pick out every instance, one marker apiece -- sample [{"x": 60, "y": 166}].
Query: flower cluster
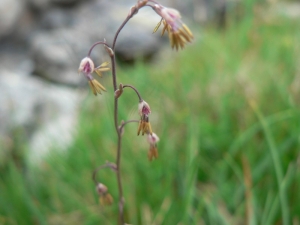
[
  {"x": 87, "y": 67},
  {"x": 179, "y": 33},
  {"x": 145, "y": 128}
]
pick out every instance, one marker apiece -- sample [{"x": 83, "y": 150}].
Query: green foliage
[{"x": 227, "y": 112}]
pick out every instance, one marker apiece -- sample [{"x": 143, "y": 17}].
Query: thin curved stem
[
  {"x": 126, "y": 122},
  {"x": 114, "y": 78},
  {"x": 113, "y": 71},
  {"x": 121, "y": 199},
  {"x": 106, "y": 165},
  {"x": 121, "y": 27},
  {"x": 94, "y": 45},
  {"x": 153, "y": 1},
  {"x": 136, "y": 91}
]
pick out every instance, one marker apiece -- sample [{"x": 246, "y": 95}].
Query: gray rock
[
  {"x": 46, "y": 113},
  {"x": 56, "y": 18},
  {"x": 57, "y": 53},
  {"x": 290, "y": 10},
  {"x": 59, "y": 115},
  {"x": 65, "y": 2},
  {"x": 136, "y": 40},
  {"x": 39, "y": 4},
  {"x": 10, "y": 12},
  {"x": 43, "y": 5}
]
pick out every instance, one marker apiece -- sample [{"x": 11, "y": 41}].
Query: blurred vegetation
[{"x": 227, "y": 112}]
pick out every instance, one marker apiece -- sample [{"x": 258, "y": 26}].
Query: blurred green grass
[{"x": 227, "y": 112}]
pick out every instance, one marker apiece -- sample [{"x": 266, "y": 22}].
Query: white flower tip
[
  {"x": 86, "y": 65},
  {"x": 144, "y": 108},
  {"x": 152, "y": 138},
  {"x": 101, "y": 188}
]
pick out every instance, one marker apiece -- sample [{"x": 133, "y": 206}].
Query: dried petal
[{"x": 96, "y": 86}]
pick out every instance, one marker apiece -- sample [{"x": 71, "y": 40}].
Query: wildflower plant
[{"x": 179, "y": 35}]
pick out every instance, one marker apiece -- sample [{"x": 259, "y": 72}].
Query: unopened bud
[
  {"x": 133, "y": 11},
  {"x": 101, "y": 189},
  {"x": 113, "y": 166},
  {"x": 144, "y": 108},
  {"x": 86, "y": 65},
  {"x": 119, "y": 91},
  {"x": 152, "y": 139},
  {"x": 109, "y": 50},
  {"x": 141, "y": 3}
]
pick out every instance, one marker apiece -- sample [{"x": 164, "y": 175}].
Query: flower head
[
  {"x": 179, "y": 33},
  {"x": 144, "y": 108},
  {"x": 105, "y": 197},
  {"x": 152, "y": 140},
  {"x": 171, "y": 16},
  {"x": 144, "y": 124},
  {"x": 87, "y": 67}
]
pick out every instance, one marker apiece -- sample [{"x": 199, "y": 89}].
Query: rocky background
[{"x": 41, "y": 45}]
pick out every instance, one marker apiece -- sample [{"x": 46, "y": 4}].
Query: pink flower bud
[
  {"x": 144, "y": 109},
  {"x": 171, "y": 16},
  {"x": 101, "y": 189},
  {"x": 152, "y": 139},
  {"x": 86, "y": 66}
]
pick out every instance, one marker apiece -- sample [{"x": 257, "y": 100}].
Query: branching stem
[
  {"x": 126, "y": 122},
  {"x": 118, "y": 160},
  {"x": 106, "y": 165},
  {"x": 118, "y": 129}
]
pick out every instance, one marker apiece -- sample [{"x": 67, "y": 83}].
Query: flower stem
[
  {"x": 121, "y": 198},
  {"x": 136, "y": 91},
  {"x": 118, "y": 160},
  {"x": 106, "y": 165},
  {"x": 95, "y": 44},
  {"x": 121, "y": 27},
  {"x": 126, "y": 122}
]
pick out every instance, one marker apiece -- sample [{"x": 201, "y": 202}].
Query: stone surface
[
  {"x": 42, "y": 43},
  {"x": 43, "y": 5},
  {"x": 290, "y": 10},
  {"x": 10, "y": 12},
  {"x": 39, "y": 4},
  {"x": 45, "y": 113},
  {"x": 57, "y": 52}
]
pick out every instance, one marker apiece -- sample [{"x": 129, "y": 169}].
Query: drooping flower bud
[
  {"x": 171, "y": 16},
  {"x": 101, "y": 189},
  {"x": 104, "y": 197},
  {"x": 144, "y": 124},
  {"x": 86, "y": 67},
  {"x": 152, "y": 140},
  {"x": 144, "y": 108},
  {"x": 179, "y": 33}
]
